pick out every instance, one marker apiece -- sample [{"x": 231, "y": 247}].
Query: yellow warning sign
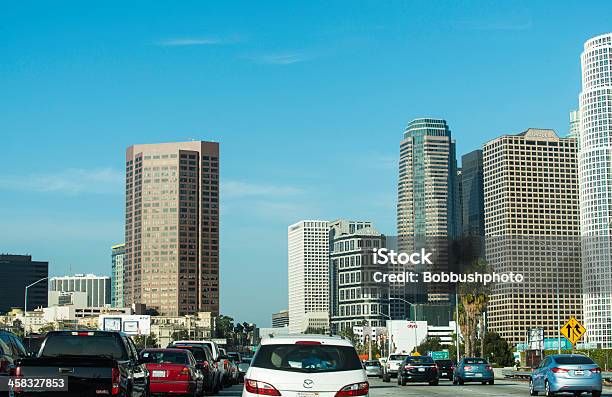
[{"x": 573, "y": 330}]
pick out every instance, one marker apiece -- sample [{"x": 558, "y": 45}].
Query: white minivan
[{"x": 306, "y": 366}]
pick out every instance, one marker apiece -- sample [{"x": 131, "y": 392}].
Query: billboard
[{"x": 127, "y": 323}]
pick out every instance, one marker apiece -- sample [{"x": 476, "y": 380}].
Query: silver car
[
  {"x": 566, "y": 373},
  {"x": 373, "y": 368}
]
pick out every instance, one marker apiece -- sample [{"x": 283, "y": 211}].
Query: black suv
[
  {"x": 446, "y": 369},
  {"x": 418, "y": 369}
]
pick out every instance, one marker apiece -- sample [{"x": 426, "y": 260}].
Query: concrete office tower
[
  {"x": 172, "y": 227},
  {"x": 308, "y": 260},
  {"x": 280, "y": 319},
  {"x": 98, "y": 288},
  {"x": 472, "y": 202},
  {"x": 16, "y": 272},
  {"x": 532, "y": 227},
  {"x": 117, "y": 257},
  {"x": 355, "y": 295},
  {"x": 595, "y": 175}
]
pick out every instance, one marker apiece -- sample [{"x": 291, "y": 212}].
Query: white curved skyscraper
[{"x": 595, "y": 178}]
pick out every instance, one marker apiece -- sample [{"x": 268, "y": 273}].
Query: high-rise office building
[
  {"x": 574, "y": 125},
  {"x": 117, "y": 257},
  {"x": 427, "y": 205},
  {"x": 472, "y": 202},
  {"x": 17, "y": 272},
  {"x": 98, "y": 288},
  {"x": 280, "y": 319},
  {"x": 595, "y": 175},
  {"x": 532, "y": 227},
  {"x": 308, "y": 257},
  {"x": 355, "y": 296},
  {"x": 171, "y": 259}
]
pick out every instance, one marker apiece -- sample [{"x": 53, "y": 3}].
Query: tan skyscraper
[
  {"x": 532, "y": 227},
  {"x": 172, "y": 227}
]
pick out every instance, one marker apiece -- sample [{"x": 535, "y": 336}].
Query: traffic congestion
[{"x": 94, "y": 363}]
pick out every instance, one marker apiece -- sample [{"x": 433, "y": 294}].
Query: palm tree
[{"x": 472, "y": 304}]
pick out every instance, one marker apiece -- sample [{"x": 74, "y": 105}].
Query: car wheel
[
  {"x": 492, "y": 382},
  {"x": 433, "y": 383},
  {"x": 596, "y": 393},
  {"x": 577, "y": 393},
  {"x": 403, "y": 382},
  {"x": 549, "y": 393},
  {"x": 386, "y": 378},
  {"x": 460, "y": 381},
  {"x": 532, "y": 391},
  {"x": 454, "y": 380}
]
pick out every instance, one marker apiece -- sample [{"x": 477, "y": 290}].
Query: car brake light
[
  {"x": 559, "y": 370},
  {"x": 184, "y": 374},
  {"x": 115, "y": 381},
  {"x": 488, "y": 368},
  {"x": 408, "y": 367},
  {"x": 256, "y": 387},
  {"x": 307, "y": 342},
  {"x": 595, "y": 370},
  {"x": 206, "y": 365},
  {"x": 435, "y": 368},
  {"x": 82, "y": 333},
  {"x": 356, "y": 389},
  {"x": 467, "y": 368}
]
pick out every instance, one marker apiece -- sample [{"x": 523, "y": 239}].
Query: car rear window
[
  {"x": 475, "y": 361},
  {"x": 573, "y": 360},
  {"x": 164, "y": 357},
  {"x": 198, "y": 352},
  {"x": 397, "y": 357},
  {"x": 444, "y": 362},
  {"x": 57, "y": 345},
  {"x": 307, "y": 358},
  {"x": 372, "y": 363},
  {"x": 420, "y": 360}
]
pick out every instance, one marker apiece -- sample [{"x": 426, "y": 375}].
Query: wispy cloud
[
  {"x": 237, "y": 189},
  {"x": 283, "y": 59},
  {"x": 70, "y": 181},
  {"x": 197, "y": 41}
]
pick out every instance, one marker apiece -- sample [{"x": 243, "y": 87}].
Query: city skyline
[{"x": 74, "y": 178}]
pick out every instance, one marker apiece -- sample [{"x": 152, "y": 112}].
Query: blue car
[
  {"x": 566, "y": 373},
  {"x": 473, "y": 369}
]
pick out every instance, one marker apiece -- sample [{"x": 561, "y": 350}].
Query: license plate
[
  {"x": 158, "y": 374},
  {"x": 478, "y": 375},
  {"x": 421, "y": 369},
  {"x": 308, "y": 394},
  {"x": 444, "y": 374},
  {"x": 579, "y": 372}
]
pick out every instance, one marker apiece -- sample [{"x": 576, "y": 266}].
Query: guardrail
[{"x": 513, "y": 374}]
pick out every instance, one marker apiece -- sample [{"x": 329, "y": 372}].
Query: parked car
[
  {"x": 212, "y": 376},
  {"x": 306, "y": 365},
  {"x": 373, "y": 368},
  {"x": 473, "y": 369},
  {"x": 418, "y": 369},
  {"x": 173, "y": 371},
  {"x": 94, "y": 362},
  {"x": 445, "y": 369},
  {"x": 569, "y": 373},
  {"x": 392, "y": 365}
]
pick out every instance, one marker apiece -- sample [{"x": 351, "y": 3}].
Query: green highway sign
[{"x": 441, "y": 355}]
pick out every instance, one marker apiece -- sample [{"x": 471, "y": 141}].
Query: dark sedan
[{"x": 418, "y": 369}]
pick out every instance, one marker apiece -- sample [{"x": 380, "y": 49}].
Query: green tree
[
  {"x": 430, "y": 344},
  {"x": 142, "y": 341},
  {"x": 224, "y": 326},
  {"x": 473, "y": 298},
  {"x": 46, "y": 328},
  {"x": 497, "y": 350},
  {"x": 314, "y": 330}
]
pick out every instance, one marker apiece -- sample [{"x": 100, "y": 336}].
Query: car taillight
[
  {"x": 206, "y": 366},
  {"x": 435, "y": 368},
  {"x": 595, "y": 370},
  {"x": 356, "y": 389},
  {"x": 115, "y": 381},
  {"x": 307, "y": 342},
  {"x": 467, "y": 368},
  {"x": 488, "y": 368},
  {"x": 408, "y": 367},
  {"x": 184, "y": 374},
  {"x": 257, "y": 387},
  {"x": 559, "y": 370}
]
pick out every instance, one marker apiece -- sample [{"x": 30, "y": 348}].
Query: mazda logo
[{"x": 308, "y": 383}]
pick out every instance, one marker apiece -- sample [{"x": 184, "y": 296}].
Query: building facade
[
  {"x": 472, "y": 202},
  {"x": 17, "y": 272},
  {"x": 117, "y": 258},
  {"x": 595, "y": 174},
  {"x": 280, "y": 319},
  {"x": 97, "y": 288},
  {"x": 171, "y": 259},
  {"x": 532, "y": 227},
  {"x": 574, "y": 125},
  {"x": 355, "y": 296},
  {"x": 308, "y": 265}
]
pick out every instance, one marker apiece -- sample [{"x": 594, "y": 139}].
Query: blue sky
[{"x": 308, "y": 100}]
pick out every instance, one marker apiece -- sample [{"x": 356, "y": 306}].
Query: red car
[{"x": 173, "y": 371}]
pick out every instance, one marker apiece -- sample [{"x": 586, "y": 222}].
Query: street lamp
[{"x": 25, "y": 306}]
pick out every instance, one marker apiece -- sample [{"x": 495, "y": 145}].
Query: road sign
[
  {"x": 572, "y": 331},
  {"x": 439, "y": 355}
]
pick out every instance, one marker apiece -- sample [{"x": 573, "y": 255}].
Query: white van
[{"x": 306, "y": 366}]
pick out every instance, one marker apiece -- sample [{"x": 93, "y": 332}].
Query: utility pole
[{"x": 457, "y": 324}]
